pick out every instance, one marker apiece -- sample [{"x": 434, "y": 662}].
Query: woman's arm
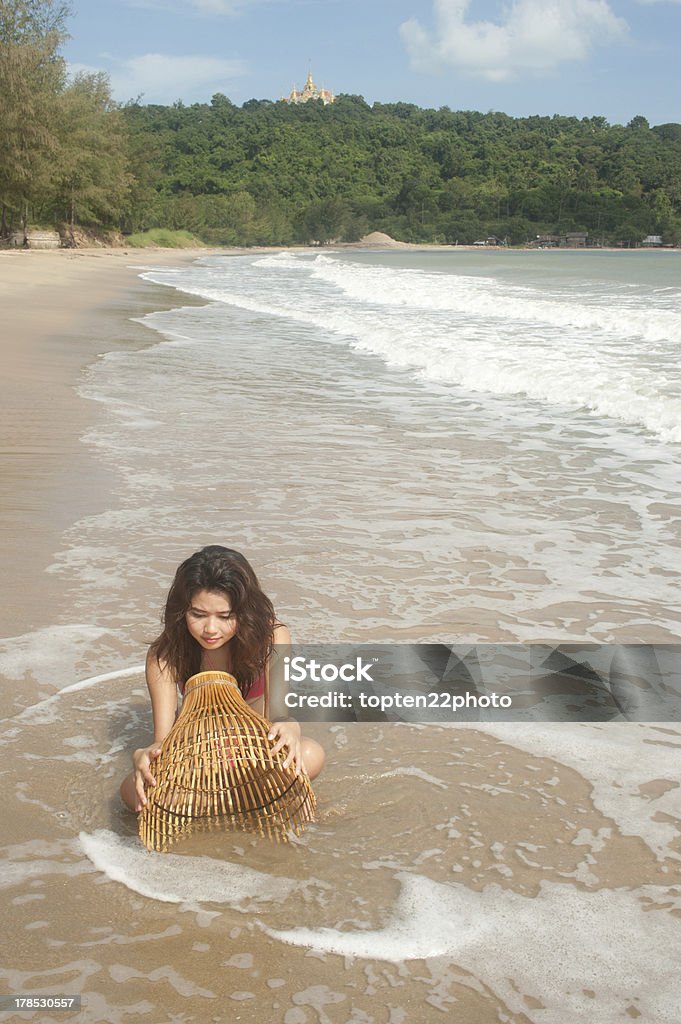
[
  {"x": 285, "y": 731},
  {"x": 163, "y": 693},
  {"x": 275, "y": 686}
]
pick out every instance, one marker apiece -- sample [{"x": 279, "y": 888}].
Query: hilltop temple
[{"x": 309, "y": 92}]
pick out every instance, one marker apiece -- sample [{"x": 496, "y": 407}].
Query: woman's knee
[
  {"x": 129, "y": 793},
  {"x": 313, "y": 757}
]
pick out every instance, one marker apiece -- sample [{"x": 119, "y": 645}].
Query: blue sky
[{"x": 615, "y": 58}]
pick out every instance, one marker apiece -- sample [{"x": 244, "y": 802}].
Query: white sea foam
[
  {"x": 576, "y": 503},
  {"x": 596, "y": 956},
  {"x": 417, "y": 773},
  {"x": 16, "y": 872},
  {"x": 618, "y": 759},
  {"x": 51, "y": 654},
  {"x": 172, "y": 878},
  {"x": 594, "y": 347},
  {"x": 491, "y": 299},
  {"x": 43, "y": 712},
  {"x": 541, "y": 484}
]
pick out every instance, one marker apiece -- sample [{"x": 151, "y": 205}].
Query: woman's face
[{"x": 210, "y": 619}]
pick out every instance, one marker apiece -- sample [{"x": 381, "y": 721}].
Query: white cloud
[
  {"x": 534, "y": 35},
  {"x": 74, "y": 69},
  {"x": 229, "y": 7},
  {"x": 236, "y": 6},
  {"x": 216, "y": 6},
  {"x": 162, "y": 78},
  {"x": 221, "y": 7}
]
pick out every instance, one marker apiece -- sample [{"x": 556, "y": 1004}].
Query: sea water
[
  {"x": 416, "y": 445},
  {"x": 433, "y": 446}
]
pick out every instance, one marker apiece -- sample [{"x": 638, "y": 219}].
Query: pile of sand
[{"x": 377, "y": 239}]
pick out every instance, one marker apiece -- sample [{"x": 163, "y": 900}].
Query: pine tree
[
  {"x": 91, "y": 179},
  {"x": 32, "y": 75}
]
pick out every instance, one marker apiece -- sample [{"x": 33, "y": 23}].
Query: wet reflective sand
[{"x": 491, "y": 872}]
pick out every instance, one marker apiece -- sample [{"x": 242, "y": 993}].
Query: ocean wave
[
  {"x": 487, "y": 297},
  {"x": 612, "y": 356},
  {"x": 513, "y": 943},
  {"x": 174, "y": 878}
]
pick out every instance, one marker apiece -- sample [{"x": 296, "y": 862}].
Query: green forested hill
[
  {"x": 270, "y": 172},
  {"x": 273, "y": 173}
]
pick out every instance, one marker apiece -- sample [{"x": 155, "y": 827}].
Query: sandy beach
[
  {"x": 477, "y": 874},
  {"x": 60, "y": 310}
]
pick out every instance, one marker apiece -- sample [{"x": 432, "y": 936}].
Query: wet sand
[
  {"x": 60, "y": 310},
  {"x": 451, "y": 875}
]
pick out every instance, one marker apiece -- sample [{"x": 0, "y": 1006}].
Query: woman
[{"x": 216, "y": 618}]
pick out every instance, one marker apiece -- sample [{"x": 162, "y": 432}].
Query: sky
[{"x": 610, "y": 58}]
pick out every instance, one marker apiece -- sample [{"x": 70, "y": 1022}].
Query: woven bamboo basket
[{"x": 216, "y": 768}]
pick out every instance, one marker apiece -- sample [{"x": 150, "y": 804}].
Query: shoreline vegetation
[
  {"x": 195, "y": 249},
  {"x": 276, "y": 174}
]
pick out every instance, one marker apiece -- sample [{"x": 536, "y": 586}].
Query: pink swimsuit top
[{"x": 257, "y": 689}]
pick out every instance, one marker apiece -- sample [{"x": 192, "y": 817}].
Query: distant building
[
  {"x": 545, "y": 242},
  {"x": 571, "y": 240},
  {"x": 310, "y": 91},
  {"x": 652, "y": 240}
]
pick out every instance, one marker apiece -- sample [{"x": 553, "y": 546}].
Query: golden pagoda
[{"x": 310, "y": 91}]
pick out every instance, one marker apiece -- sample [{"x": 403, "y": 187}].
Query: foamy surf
[
  {"x": 40, "y": 713},
  {"x": 633, "y": 768},
  {"x": 560, "y": 955},
  {"x": 599, "y": 345},
  {"x": 173, "y": 878},
  {"x": 388, "y": 507},
  {"x": 52, "y": 654}
]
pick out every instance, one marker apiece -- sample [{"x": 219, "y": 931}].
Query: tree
[
  {"x": 31, "y": 76},
  {"x": 29, "y": 21},
  {"x": 323, "y": 220},
  {"x": 145, "y": 158},
  {"x": 91, "y": 178}
]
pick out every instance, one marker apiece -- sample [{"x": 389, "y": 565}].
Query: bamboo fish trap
[{"x": 216, "y": 767}]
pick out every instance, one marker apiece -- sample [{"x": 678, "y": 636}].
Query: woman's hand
[
  {"x": 141, "y": 761},
  {"x": 287, "y": 734}
]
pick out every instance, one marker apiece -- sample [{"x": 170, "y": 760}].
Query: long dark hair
[{"x": 219, "y": 570}]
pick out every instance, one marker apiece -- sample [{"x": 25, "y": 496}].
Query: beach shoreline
[
  {"x": 61, "y": 311},
  {"x": 179, "y": 256},
  {"x": 481, "y": 870}
]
